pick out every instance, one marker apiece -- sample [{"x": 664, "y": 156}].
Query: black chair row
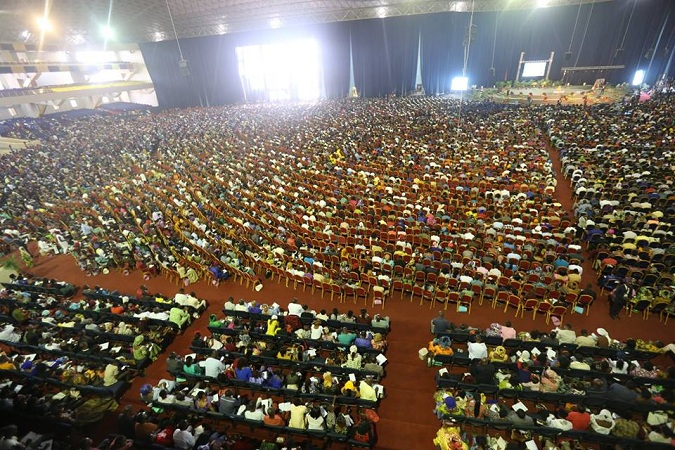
[
  {"x": 285, "y": 338},
  {"x": 335, "y": 324},
  {"x": 594, "y": 402},
  {"x": 107, "y": 315},
  {"x": 282, "y": 393},
  {"x": 554, "y": 433},
  {"x": 253, "y": 426},
  {"x": 116, "y": 299},
  {"x": 115, "y": 390},
  {"x": 462, "y": 337},
  {"x": 55, "y": 292},
  {"x": 463, "y": 360},
  {"x": 97, "y": 358},
  {"x": 272, "y": 360}
]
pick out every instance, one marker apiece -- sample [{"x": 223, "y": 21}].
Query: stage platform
[{"x": 569, "y": 95}]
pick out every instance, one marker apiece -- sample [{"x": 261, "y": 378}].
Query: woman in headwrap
[
  {"x": 550, "y": 381},
  {"x": 140, "y": 350},
  {"x": 123, "y": 328},
  {"x": 214, "y": 322},
  {"x": 499, "y": 354},
  {"x": 449, "y": 438},
  {"x": 378, "y": 342},
  {"x": 603, "y": 422}
]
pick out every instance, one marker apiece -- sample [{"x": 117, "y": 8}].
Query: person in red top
[{"x": 580, "y": 418}]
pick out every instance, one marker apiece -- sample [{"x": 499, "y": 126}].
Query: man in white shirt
[
  {"x": 229, "y": 304},
  {"x": 295, "y": 308},
  {"x": 181, "y": 297},
  {"x": 193, "y": 301},
  {"x": 566, "y": 335},
  {"x": 183, "y": 438},
  {"x": 253, "y": 413},
  {"x": 213, "y": 366},
  {"x": 478, "y": 349},
  {"x": 241, "y": 306},
  {"x": 559, "y": 422}
]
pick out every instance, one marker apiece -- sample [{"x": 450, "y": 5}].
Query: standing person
[
  {"x": 618, "y": 298},
  {"x": 440, "y": 324}
]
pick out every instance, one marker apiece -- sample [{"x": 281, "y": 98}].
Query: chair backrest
[{"x": 558, "y": 310}]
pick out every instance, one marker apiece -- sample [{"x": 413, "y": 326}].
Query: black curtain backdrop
[{"x": 385, "y": 50}]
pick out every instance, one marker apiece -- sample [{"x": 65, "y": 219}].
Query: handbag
[{"x": 371, "y": 415}]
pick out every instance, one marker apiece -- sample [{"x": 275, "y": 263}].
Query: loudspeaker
[
  {"x": 492, "y": 71},
  {"x": 649, "y": 53},
  {"x": 568, "y": 56},
  {"x": 619, "y": 53},
  {"x": 184, "y": 67}
]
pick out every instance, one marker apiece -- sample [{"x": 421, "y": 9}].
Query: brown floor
[{"x": 407, "y": 421}]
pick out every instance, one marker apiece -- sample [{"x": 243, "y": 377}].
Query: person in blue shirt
[
  {"x": 273, "y": 380},
  {"x": 243, "y": 372},
  {"x": 363, "y": 340}
]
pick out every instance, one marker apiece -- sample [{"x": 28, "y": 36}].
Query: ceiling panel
[{"x": 79, "y": 21}]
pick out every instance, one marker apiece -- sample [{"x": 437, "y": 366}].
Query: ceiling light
[
  {"x": 275, "y": 22},
  {"x": 381, "y": 12},
  {"x": 542, "y": 3},
  {"x": 44, "y": 24},
  {"x": 107, "y": 32}
]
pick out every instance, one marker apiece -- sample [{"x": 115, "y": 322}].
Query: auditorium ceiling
[{"x": 80, "y": 21}]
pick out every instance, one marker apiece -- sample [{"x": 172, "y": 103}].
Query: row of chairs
[
  {"x": 291, "y": 340},
  {"x": 280, "y": 395},
  {"x": 326, "y": 438},
  {"x": 272, "y": 360},
  {"x": 483, "y": 426},
  {"x": 259, "y": 317}
]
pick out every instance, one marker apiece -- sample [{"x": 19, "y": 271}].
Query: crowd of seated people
[
  {"x": 623, "y": 185},
  {"x": 56, "y": 407},
  {"x": 460, "y": 205},
  {"x": 468, "y": 208},
  {"x": 299, "y": 408},
  {"x": 95, "y": 345},
  {"x": 179, "y": 429},
  {"x": 571, "y": 382}
]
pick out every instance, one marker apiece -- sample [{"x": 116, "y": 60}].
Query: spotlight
[
  {"x": 184, "y": 67},
  {"x": 459, "y": 84},
  {"x": 107, "y": 32},
  {"x": 44, "y": 24},
  {"x": 275, "y": 22},
  {"x": 568, "y": 56}
]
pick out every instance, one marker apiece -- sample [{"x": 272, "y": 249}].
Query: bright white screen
[
  {"x": 459, "y": 84},
  {"x": 638, "y": 78},
  {"x": 284, "y": 71},
  {"x": 534, "y": 69}
]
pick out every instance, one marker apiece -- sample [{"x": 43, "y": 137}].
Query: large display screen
[{"x": 534, "y": 69}]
